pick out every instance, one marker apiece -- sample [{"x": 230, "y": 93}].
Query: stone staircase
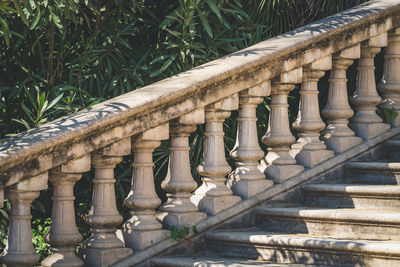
[{"x": 352, "y": 222}]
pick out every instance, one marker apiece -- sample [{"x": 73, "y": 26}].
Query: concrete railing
[{"x": 98, "y": 137}]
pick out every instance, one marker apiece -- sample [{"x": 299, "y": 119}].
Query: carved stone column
[
  {"x": 179, "y": 183},
  {"x": 337, "y": 135},
  {"x": 20, "y": 251},
  {"x": 63, "y": 235},
  {"x": 213, "y": 196},
  {"x": 311, "y": 151},
  {"x": 143, "y": 229},
  {"x": 389, "y": 86},
  {"x": 103, "y": 247},
  {"x": 366, "y": 123},
  {"x": 247, "y": 180},
  {"x": 280, "y": 165}
]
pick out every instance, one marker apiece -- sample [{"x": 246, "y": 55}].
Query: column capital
[
  {"x": 186, "y": 124},
  {"x": 260, "y": 90},
  {"x": 322, "y": 64},
  {"x": 281, "y": 88},
  {"x": 378, "y": 41},
  {"x": 79, "y": 165},
  {"x": 154, "y": 134},
  {"x": 290, "y": 77},
  {"x": 312, "y": 75},
  {"x": 352, "y": 53},
  {"x": 117, "y": 149},
  {"x": 36, "y": 183},
  {"x": 227, "y": 104}
]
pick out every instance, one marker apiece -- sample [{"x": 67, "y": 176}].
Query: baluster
[
  {"x": 143, "y": 229},
  {"x": 311, "y": 151},
  {"x": 247, "y": 180},
  {"x": 366, "y": 123},
  {"x": 20, "y": 251},
  {"x": 63, "y": 235},
  {"x": 179, "y": 183},
  {"x": 389, "y": 86},
  {"x": 280, "y": 165},
  {"x": 213, "y": 196},
  {"x": 104, "y": 247},
  {"x": 337, "y": 135}
]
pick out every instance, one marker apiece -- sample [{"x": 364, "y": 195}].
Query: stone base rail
[{"x": 98, "y": 137}]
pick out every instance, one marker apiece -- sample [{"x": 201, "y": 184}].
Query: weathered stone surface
[
  {"x": 63, "y": 235},
  {"x": 143, "y": 229},
  {"x": 247, "y": 180},
  {"x": 389, "y": 86},
  {"x": 103, "y": 246},
  {"x": 213, "y": 195},
  {"x": 20, "y": 250},
  {"x": 337, "y": 135},
  {"x": 179, "y": 183},
  {"x": 328, "y": 170},
  {"x": 374, "y": 197},
  {"x": 105, "y": 257},
  {"x": 309, "y": 150},
  {"x": 338, "y": 223},
  {"x": 306, "y": 249},
  {"x": 27, "y": 154},
  {"x": 278, "y": 165},
  {"x": 365, "y": 122}
]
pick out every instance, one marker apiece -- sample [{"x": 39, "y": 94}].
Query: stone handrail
[{"x": 62, "y": 150}]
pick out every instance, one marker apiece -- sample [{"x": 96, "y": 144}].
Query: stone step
[
  {"x": 373, "y": 172},
  {"x": 339, "y": 223},
  {"x": 383, "y": 197},
  {"x": 304, "y": 249},
  {"x": 213, "y": 261}
]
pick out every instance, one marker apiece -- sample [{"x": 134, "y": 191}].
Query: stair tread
[
  {"x": 384, "y": 247},
  {"x": 391, "y": 143},
  {"x": 384, "y": 190},
  {"x": 215, "y": 261},
  {"x": 348, "y": 214},
  {"x": 373, "y": 165}
]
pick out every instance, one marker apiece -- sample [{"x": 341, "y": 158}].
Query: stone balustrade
[{"x": 137, "y": 122}]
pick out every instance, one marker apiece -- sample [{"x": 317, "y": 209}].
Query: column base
[
  {"x": 369, "y": 130},
  {"x": 62, "y": 258},
  {"x": 281, "y": 173},
  {"x": 182, "y": 220},
  {"x": 17, "y": 259},
  {"x": 311, "y": 158},
  {"x": 249, "y": 188},
  {"x": 95, "y": 257},
  {"x": 140, "y": 240},
  {"x": 340, "y": 144},
  {"x": 213, "y": 205}
]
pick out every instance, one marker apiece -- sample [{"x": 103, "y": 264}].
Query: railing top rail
[{"x": 69, "y": 137}]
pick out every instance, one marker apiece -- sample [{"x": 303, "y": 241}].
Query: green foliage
[
  {"x": 40, "y": 228},
  {"x": 4, "y": 212},
  {"x": 388, "y": 115},
  {"x": 60, "y": 56},
  {"x": 39, "y": 113},
  {"x": 176, "y": 234}
]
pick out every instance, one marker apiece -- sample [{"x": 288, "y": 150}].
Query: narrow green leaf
[
  {"x": 214, "y": 8},
  {"x": 206, "y": 25},
  {"x": 6, "y": 31}
]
